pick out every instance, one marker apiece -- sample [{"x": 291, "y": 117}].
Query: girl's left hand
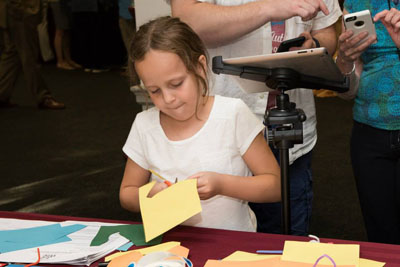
[
  {"x": 391, "y": 20},
  {"x": 208, "y": 184}
]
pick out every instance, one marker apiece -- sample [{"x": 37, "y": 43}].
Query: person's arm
[
  {"x": 348, "y": 52},
  {"x": 348, "y": 57},
  {"x": 134, "y": 177},
  {"x": 327, "y": 38},
  {"x": 263, "y": 186},
  {"x": 219, "y": 25}
]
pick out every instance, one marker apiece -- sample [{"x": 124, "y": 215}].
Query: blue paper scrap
[
  {"x": 11, "y": 240},
  {"x": 125, "y": 247}
]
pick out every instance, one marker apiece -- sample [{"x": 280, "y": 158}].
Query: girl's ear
[
  {"x": 203, "y": 63},
  {"x": 202, "y": 60}
]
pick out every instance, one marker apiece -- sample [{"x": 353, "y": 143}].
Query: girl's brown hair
[{"x": 171, "y": 35}]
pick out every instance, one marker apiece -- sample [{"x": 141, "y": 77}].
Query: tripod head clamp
[
  {"x": 279, "y": 78},
  {"x": 286, "y": 123}
]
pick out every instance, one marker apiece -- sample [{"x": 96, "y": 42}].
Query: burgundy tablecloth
[{"x": 216, "y": 244}]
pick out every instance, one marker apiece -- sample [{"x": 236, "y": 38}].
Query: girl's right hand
[{"x": 158, "y": 187}]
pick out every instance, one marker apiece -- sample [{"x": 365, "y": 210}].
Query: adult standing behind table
[
  {"x": 62, "y": 15},
  {"x": 374, "y": 68},
  {"x": 235, "y": 28},
  {"x": 19, "y": 20}
]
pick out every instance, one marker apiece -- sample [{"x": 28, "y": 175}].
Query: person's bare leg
[
  {"x": 58, "y": 46},
  {"x": 67, "y": 50}
]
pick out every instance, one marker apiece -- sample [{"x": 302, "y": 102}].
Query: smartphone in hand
[
  {"x": 287, "y": 44},
  {"x": 359, "y": 22}
]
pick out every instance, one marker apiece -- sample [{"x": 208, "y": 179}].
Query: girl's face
[{"x": 171, "y": 87}]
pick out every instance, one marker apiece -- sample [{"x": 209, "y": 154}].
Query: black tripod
[
  {"x": 285, "y": 128},
  {"x": 285, "y": 122}
]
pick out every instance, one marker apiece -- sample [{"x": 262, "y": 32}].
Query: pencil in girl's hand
[{"x": 162, "y": 178}]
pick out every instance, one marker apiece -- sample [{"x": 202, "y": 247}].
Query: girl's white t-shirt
[{"x": 217, "y": 147}]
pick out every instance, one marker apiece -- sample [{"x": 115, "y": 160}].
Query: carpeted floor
[{"x": 70, "y": 162}]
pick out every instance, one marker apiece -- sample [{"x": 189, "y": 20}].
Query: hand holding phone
[
  {"x": 287, "y": 44},
  {"x": 360, "y": 22}
]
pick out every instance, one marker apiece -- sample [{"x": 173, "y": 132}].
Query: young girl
[{"x": 190, "y": 135}]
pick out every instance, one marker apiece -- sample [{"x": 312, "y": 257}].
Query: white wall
[{"x": 146, "y": 10}]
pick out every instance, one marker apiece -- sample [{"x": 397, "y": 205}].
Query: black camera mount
[{"x": 285, "y": 122}]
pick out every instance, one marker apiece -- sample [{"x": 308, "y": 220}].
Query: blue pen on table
[{"x": 269, "y": 251}]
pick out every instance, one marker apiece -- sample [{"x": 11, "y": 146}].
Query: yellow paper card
[
  {"x": 308, "y": 252},
  {"x": 169, "y": 207},
  {"x": 271, "y": 262},
  {"x": 281, "y": 263},
  {"x": 371, "y": 263},
  {"x": 179, "y": 250},
  {"x": 276, "y": 262},
  {"x": 115, "y": 255},
  {"x": 246, "y": 256},
  {"x": 259, "y": 263},
  {"x": 160, "y": 247}
]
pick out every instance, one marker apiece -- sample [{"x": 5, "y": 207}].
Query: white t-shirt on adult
[
  {"x": 259, "y": 42},
  {"x": 218, "y": 147}
]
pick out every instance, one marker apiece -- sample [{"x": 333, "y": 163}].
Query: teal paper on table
[
  {"x": 11, "y": 240},
  {"x": 125, "y": 247}
]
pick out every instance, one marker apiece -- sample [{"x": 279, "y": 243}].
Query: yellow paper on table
[
  {"x": 179, "y": 250},
  {"x": 308, "y": 252},
  {"x": 280, "y": 263},
  {"x": 257, "y": 263},
  {"x": 271, "y": 262},
  {"x": 371, "y": 263},
  {"x": 160, "y": 247},
  {"x": 246, "y": 256},
  {"x": 169, "y": 207}
]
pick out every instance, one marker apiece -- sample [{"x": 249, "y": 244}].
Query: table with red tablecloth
[{"x": 206, "y": 243}]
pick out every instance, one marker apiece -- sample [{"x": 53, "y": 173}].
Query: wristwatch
[{"x": 317, "y": 44}]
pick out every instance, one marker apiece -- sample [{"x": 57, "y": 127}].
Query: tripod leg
[{"x": 285, "y": 190}]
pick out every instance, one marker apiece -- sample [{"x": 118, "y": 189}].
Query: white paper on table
[{"x": 75, "y": 252}]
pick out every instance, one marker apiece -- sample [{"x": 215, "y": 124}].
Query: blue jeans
[
  {"x": 301, "y": 195},
  {"x": 375, "y": 156}
]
